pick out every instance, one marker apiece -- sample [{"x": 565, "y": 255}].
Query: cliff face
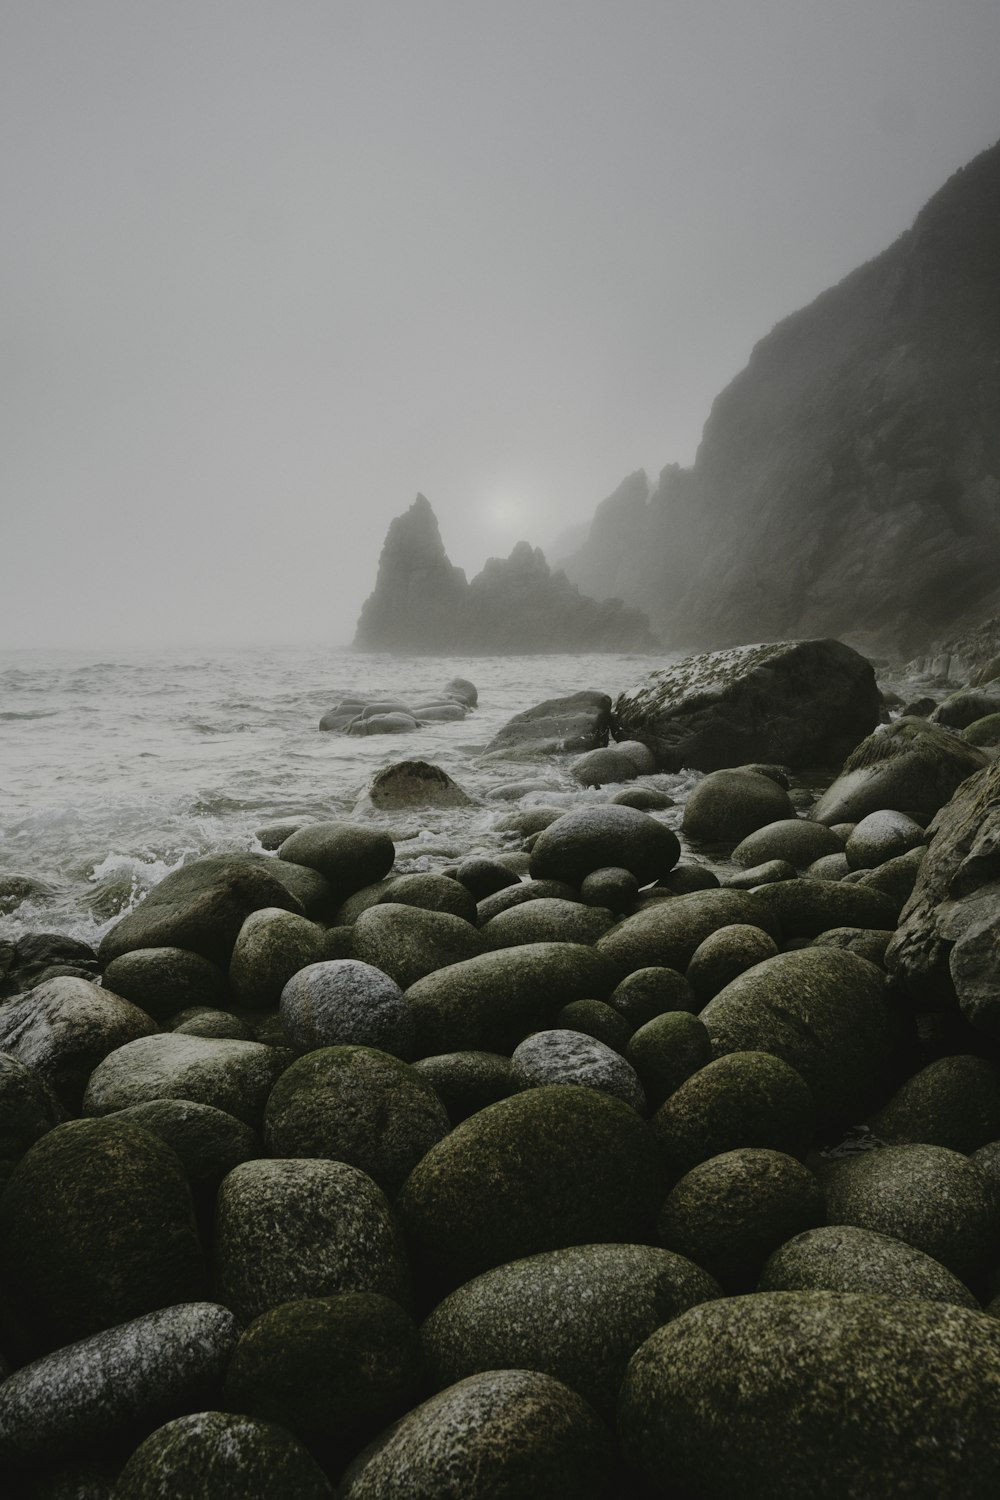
[
  {"x": 515, "y": 605},
  {"x": 848, "y": 480}
]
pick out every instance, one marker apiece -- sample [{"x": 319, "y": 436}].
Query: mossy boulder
[
  {"x": 542, "y": 1170},
  {"x": 28, "y": 1107},
  {"x": 909, "y": 765},
  {"x": 343, "y": 1002},
  {"x": 577, "y": 1314},
  {"x": 596, "y": 837},
  {"x": 881, "y": 836},
  {"x": 225, "y": 1456},
  {"x": 668, "y": 933},
  {"x": 845, "y": 1258},
  {"x": 491, "y": 1002},
  {"x": 356, "y": 1105},
  {"x": 654, "y": 991},
  {"x": 724, "y": 955},
  {"x": 816, "y": 1396},
  {"x": 953, "y": 1102},
  {"x": 821, "y": 1010},
  {"x": 984, "y": 733},
  {"x": 430, "y": 892},
  {"x": 598, "y": 1019},
  {"x": 546, "y": 921},
  {"x": 501, "y": 1435},
  {"x": 291, "y": 1229},
  {"x": 96, "y": 1227},
  {"x": 466, "y": 1082},
  {"x": 799, "y": 841},
  {"x": 407, "y": 942},
  {"x": 806, "y": 907},
  {"x": 348, "y": 855},
  {"x": 208, "y": 1141},
  {"x": 334, "y": 1371},
  {"x": 726, "y": 806},
  {"x": 666, "y": 1051},
  {"x": 524, "y": 890},
  {"x": 233, "y": 1076},
  {"x": 162, "y": 981},
  {"x": 270, "y": 947}
]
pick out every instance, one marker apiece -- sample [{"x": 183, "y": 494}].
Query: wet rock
[
  {"x": 984, "y": 733},
  {"x": 799, "y": 703},
  {"x": 542, "y": 1170},
  {"x": 545, "y": 921},
  {"x": 844, "y": 1258},
  {"x": 407, "y": 942},
  {"x": 576, "y": 1314},
  {"x": 355, "y": 1105},
  {"x": 161, "y": 981},
  {"x": 666, "y": 935},
  {"x": 200, "y": 1021},
  {"x": 490, "y": 1003},
  {"x": 724, "y": 955},
  {"x": 482, "y": 877},
  {"x": 466, "y": 1082},
  {"x": 959, "y": 710},
  {"x": 344, "y": 1002},
  {"x": 881, "y": 836},
  {"x": 798, "y": 840},
  {"x": 892, "y": 1397},
  {"x": 291, "y": 1229},
  {"x": 953, "y": 1102},
  {"x": 348, "y": 855},
  {"x": 96, "y": 1227},
  {"x": 235, "y": 1077},
  {"x": 623, "y": 762},
  {"x": 597, "y": 1019},
  {"x": 821, "y": 1010},
  {"x": 593, "y": 838},
  {"x": 766, "y": 874},
  {"x": 430, "y": 893},
  {"x": 687, "y": 877},
  {"x": 227, "y": 1457},
  {"x": 64, "y": 1028},
  {"x": 650, "y": 992},
  {"x": 908, "y": 765},
  {"x": 416, "y": 783},
  {"x": 525, "y": 890},
  {"x": 28, "y": 1107},
  {"x": 666, "y": 1051},
  {"x": 563, "y": 1057},
  {"x": 271, "y": 946},
  {"x": 334, "y": 1371},
  {"x": 557, "y": 726},
  {"x": 645, "y": 798},
  {"x": 728, "y": 805},
  {"x": 208, "y": 1142},
  {"x": 807, "y": 907},
  {"x": 866, "y": 942},
  {"x": 505, "y": 1433},
  {"x": 613, "y": 889}
]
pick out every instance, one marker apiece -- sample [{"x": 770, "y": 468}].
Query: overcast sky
[{"x": 269, "y": 269}]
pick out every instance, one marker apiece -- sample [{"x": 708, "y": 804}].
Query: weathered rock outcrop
[
  {"x": 864, "y": 426},
  {"x": 515, "y": 605}
]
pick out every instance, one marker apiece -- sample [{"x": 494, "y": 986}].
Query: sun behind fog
[{"x": 506, "y": 512}]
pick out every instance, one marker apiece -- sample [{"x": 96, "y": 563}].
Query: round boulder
[
  {"x": 344, "y": 1002},
  {"x": 270, "y": 947},
  {"x": 545, "y": 921},
  {"x": 727, "y": 805},
  {"x": 347, "y": 854},
  {"x": 407, "y": 942},
  {"x": 225, "y": 1456},
  {"x": 668, "y": 933},
  {"x": 466, "y": 1082},
  {"x": 161, "y": 981},
  {"x": 229, "y": 1075},
  {"x": 561, "y": 1057},
  {"x": 592, "y": 838},
  {"x": 724, "y": 955},
  {"x": 845, "y": 1258},
  {"x": 799, "y": 841}
]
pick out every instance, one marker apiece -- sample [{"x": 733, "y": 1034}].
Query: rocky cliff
[
  {"x": 421, "y": 603},
  {"x": 848, "y": 480}
]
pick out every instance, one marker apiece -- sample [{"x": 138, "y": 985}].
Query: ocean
[{"x": 117, "y": 767}]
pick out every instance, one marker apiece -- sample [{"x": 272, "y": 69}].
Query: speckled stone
[
  {"x": 668, "y": 933},
  {"x": 726, "y": 806},
  {"x": 289, "y": 1229},
  {"x": 666, "y": 1051},
  {"x": 466, "y": 1082},
  {"x": 344, "y": 1002},
  {"x": 431, "y": 892},
  {"x": 492, "y": 1002},
  {"x": 881, "y": 836},
  {"x": 525, "y": 890},
  {"x": 729, "y": 1213},
  {"x": 577, "y": 1314},
  {"x": 866, "y": 942},
  {"x": 407, "y": 942},
  {"x": 235, "y": 1077},
  {"x": 482, "y": 877},
  {"x": 817, "y": 1396},
  {"x": 208, "y": 1141},
  {"x": 845, "y": 1258},
  {"x": 213, "y": 1453},
  {"x": 271, "y": 946},
  {"x": 724, "y": 955},
  {"x": 592, "y": 838},
  {"x": 333, "y": 1370},
  {"x": 348, "y": 855},
  {"x": 129, "y": 1377},
  {"x": 806, "y": 907},
  {"x": 64, "y": 1027},
  {"x": 164, "y": 980},
  {"x": 356, "y": 1105},
  {"x": 823, "y": 1011},
  {"x": 543, "y": 1170},
  {"x": 201, "y": 1021},
  {"x": 953, "y": 1102},
  {"x": 797, "y": 840},
  {"x": 561, "y": 1057},
  {"x": 96, "y": 1227},
  {"x": 503, "y": 1435},
  {"x": 742, "y": 1099},
  {"x": 28, "y": 1107},
  {"x": 930, "y": 1197},
  {"x": 546, "y": 921}
]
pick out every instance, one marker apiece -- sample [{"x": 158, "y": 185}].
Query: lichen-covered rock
[
  {"x": 466, "y": 1082},
  {"x": 845, "y": 1258},
  {"x": 800, "y": 841},
  {"x": 208, "y": 1141},
  {"x": 225, "y": 1456},
  {"x": 344, "y": 1002},
  {"x": 291, "y": 1229},
  {"x": 233, "y": 1076},
  {"x": 545, "y": 921},
  {"x": 407, "y": 942},
  {"x": 597, "y": 1019},
  {"x": 807, "y": 907},
  {"x": 126, "y": 1380},
  {"x": 959, "y": 710},
  {"x": 821, "y": 1010},
  {"x": 667, "y": 934},
  {"x": 96, "y": 1227},
  {"x": 348, "y": 855},
  {"x": 724, "y": 955},
  {"x": 28, "y": 1107},
  {"x": 561, "y": 1057},
  {"x": 270, "y": 947},
  {"x": 502, "y": 1435},
  {"x": 928, "y": 1196},
  {"x": 799, "y": 703},
  {"x": 356, "y": 1105},
  {"x": 200, "y": 1021},
  {"x": 524, "y": 890},
  {"x": 908, "y": 765},
  {"x": 332, "y": 1370},
  {"x": 577, "y": 1314},
  {"x": 666, "y": 1051},
  {"x": 64, "y": 1027},
  {"x": 817, "y": 1396},
  {"x": 162, "y": 981},
  {"x": 742, "y": 1099},
  {"x": 483, "y": 876},
  {"x": 431, "y": 893},
  {"x": 656, "y": 991},
  {"x": 556, "y": 726},
  {"x": 416, "y": 783},
  {"x": 730, "y": 1212},
  {"x": 491, "y": 1002},
  {"x": 200, "y": 907},
  {"x": 953, "y": 1102},
  {"x": 866, "y": 942},
  {"x": 542, "y": 1170},
  {"x": 728, "y": 805},
  {"x": 594, "y": 837}
]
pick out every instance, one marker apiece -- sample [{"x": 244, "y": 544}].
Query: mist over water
[{"x": 118, "y": 767}]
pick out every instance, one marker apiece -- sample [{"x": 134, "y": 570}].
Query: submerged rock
[
  {"x": 415, "y": 783},
  {"x": 554, "y": 727}
]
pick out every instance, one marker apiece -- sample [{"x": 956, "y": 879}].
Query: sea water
[{"x": 117, "y": 767}]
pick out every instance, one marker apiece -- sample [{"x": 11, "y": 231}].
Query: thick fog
[{"x": 268, "y": 269}]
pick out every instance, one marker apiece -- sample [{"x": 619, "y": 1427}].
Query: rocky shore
[{"x": 650, "y": 1155}]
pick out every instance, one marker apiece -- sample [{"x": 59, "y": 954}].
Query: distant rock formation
[
  {"x": 516, "y": 605},
  {"x": 848, "y": 480}
]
